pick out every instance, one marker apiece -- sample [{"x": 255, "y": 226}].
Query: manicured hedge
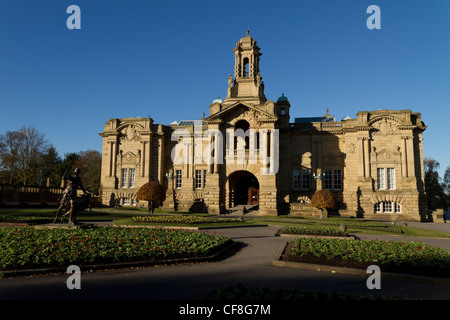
[
  {"x": 178, "y": 219},
  {"x": 28, "y": 247}
]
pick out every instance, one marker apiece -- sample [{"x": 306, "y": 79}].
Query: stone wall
[{"x": 11, "y": 195}]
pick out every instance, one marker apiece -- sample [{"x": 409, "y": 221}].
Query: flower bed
[
  {"x": 176, "y": 219},
  {"x": 391, "y": 256},
  {"x": 313, "y": 230},
  {"x": 27, "y": 247}
]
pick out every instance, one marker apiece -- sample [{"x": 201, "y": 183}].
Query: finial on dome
[{"x": 247, "y": 31}]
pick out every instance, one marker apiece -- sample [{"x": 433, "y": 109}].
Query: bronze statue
[{"x": 69, "y": 198}]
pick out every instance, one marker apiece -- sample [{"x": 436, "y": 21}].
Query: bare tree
[
  {"x": 20, "y": 155},
  {"x": 90, "y": 163}
]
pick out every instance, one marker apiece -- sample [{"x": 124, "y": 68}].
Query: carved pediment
[
  {"x": 387, "y": 155},
  {"x": 129, "y": 133},
  {"x": 128, "y": 157},
  {"x": 241, "y": 111},
  {"x": 385, "y": 126}
]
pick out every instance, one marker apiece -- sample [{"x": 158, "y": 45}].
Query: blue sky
[{"x": 170, "y": 59}]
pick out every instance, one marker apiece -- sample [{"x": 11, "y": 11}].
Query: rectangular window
[
  {"x": 387, "y": 207},
  {"x": 378, "y": 207},
  {"x": 398, "y": 208},
  {"x": 198, "y": 179},
  {"x": 327, "y": 180},
  {"x": 296, "y": 179},
  {"x": 178, "y": 179},
  {"x": 123, "y": 184},
  {"x": 381, "y": 179},
  {"x": 126, "y": 201},
  {"x": 132, "y": 177},
  {"x": 391, "y": 178},
  {"x": 337, "y": 180},
  {"x": 305, "y": 179}
]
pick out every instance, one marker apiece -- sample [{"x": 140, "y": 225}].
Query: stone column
[
  {"x": 361, "y": 172},
  {"x": 252, "y": 154},
  {"x": 216, "y": 152},
  {"x": 149, "y": 158},
  {"x": 143, "y": 143},
  {"x": 110, "y": 160},
  {"x": 114, "y": 158},
  {"x": 410, "y": 152},
  {"x": 366, "y": 158},
  {"x": 263, "y": 150},
  {"x": 273, "y": 151},
  {"x": 404, "y": 158},
  {"x": 230, "y": 146},
  {"x": 161, "y": 159},
  {"x": 210, "y": 166}
]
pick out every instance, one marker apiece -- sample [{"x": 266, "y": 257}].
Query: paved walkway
[{"x": 250, "y": 265}]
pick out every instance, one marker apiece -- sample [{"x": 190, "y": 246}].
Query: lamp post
[
  {"x": 169, "y": 177},
  {"x": 318, "y": 177},
  {"x": 170, "y": 199}
]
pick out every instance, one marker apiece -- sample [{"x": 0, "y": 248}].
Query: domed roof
[
  {"x": 282, "y": 98},
  {"x": 246, "y": 41},
  {"x": 218, "y": 100}
]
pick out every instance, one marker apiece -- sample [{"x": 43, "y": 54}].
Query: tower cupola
[{"x": 247, "y": 83}]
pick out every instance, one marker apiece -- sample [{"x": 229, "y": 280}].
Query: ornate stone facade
[{"x": 248, "y": 151}]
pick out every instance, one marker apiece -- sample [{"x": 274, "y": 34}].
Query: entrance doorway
[{"x": 243, "y": 189}]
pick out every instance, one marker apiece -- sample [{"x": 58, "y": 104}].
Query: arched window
[
  {"x": 244, "y": 126},
  {"x": 387, "y": 207},
  {"x": 245, "y": 69}
]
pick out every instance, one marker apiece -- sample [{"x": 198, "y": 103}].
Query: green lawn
[
  {"x": 123, "y": 216},
  {"x": 354, "y": 226}
]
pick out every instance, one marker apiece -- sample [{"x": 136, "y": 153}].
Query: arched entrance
[{"x": 243, "y": 188}]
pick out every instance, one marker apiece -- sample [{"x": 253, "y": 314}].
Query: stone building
[{"x": 250, "y": 151}]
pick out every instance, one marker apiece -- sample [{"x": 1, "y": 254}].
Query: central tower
[{"x": 247, "y": 84}]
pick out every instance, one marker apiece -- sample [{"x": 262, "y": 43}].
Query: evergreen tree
[
  {"x": 433, "y": 188},
  {"x": 50, "y": 164}
]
